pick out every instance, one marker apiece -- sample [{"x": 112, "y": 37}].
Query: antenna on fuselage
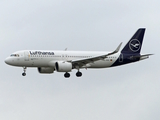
[{"x": 65, "y": 49}]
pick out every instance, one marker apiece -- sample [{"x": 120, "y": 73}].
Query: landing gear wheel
[
  {"x": 66, "y": 75},
  {"x": 78, "y": 74},
  {"x": 23, "y": 74}
]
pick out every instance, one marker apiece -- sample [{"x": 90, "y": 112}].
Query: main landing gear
[
  {"x": 24, "y": 73},
  {"x": 78, "y": 74},
  {"x": 67, "y": 75}
]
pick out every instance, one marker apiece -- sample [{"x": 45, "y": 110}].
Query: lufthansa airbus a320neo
[{"x": 48, "y": 61}]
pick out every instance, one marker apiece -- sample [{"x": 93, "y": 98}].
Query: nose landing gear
[{"x": 24, "y": 73}]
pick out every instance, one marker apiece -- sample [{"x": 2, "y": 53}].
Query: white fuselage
[{"x": 43, "y": 58}]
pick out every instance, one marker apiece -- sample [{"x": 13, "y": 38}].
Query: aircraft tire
[
  {"x": 78, "y": 74},
  {"x": 23, "y": 74},
  {"x": 66, "y": 75}
]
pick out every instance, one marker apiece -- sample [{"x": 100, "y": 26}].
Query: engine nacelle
[
  {"x": 46, "y": 70},
  {"x": 63, "y": 66}
]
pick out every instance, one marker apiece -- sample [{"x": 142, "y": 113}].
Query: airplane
[{"x": 48, "y": 61}]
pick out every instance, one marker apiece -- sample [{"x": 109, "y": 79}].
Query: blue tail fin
[{"x": 135, "y": 43}]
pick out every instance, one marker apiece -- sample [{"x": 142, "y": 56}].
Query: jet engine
[
  {"x": 46, "y": 70},
  {"x": 63, "y": 66}
]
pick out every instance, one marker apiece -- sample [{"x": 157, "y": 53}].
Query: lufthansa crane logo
[{"x": 134, "y": 45}]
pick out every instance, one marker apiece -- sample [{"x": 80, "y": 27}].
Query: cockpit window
[{"x": 15, "y": 55}]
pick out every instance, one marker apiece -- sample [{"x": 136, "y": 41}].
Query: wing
[{"x": 83, "y": 62}]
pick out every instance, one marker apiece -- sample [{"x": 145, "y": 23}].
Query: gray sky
[{"x": 120, "y": 93}]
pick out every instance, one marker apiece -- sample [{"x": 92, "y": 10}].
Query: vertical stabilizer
[{"x": 135, "y": 43}]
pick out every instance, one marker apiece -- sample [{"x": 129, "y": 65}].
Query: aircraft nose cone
[{"x": 7, "y": 61}]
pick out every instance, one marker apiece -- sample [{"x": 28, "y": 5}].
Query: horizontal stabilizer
[{"x": 142, "y": 57}]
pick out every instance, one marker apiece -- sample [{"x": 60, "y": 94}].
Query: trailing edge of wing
[{"x": 82, "y": 62}]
